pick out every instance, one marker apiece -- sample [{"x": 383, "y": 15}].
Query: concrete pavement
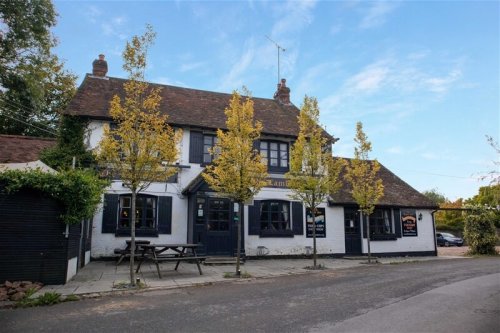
[{"x": 100, "y": 278}]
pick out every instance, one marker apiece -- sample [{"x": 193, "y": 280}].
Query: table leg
[
  {"x": 199, "y": 268},
  {"x": 143, "y": 256},
  {"x": 156, "y": 262},
  {"x": 181, "y": 254}
]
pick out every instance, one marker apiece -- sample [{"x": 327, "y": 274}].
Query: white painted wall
[
  {"x": 87, "y": 257},
  {"x": 423, "y": 242},
  {"x": 104, "y": 244},
  {"x": 333, "y": 242},
  {"x": 72, "y": 268}
]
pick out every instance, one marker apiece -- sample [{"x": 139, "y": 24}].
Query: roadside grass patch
[
  {"x": 316, "y": 268},
  {"x": 49, "y": 298},
  {"x": 127, "y": 285},
  {"x": 232, "y": 275}
]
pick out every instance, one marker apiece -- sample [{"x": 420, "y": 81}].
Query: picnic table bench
[
  {"x": 123, "y": 253},
  {"x": 157, "y": 253}
]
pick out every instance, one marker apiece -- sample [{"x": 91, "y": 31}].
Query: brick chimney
[
  {"x": 282, "y": 94},
  {"x": 100, "y": 66}
]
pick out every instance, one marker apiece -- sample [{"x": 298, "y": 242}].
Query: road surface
[{"x": 456, "y": 295}]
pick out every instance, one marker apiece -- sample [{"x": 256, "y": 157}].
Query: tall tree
[
  {"x": 366, "y": 187},
  {"x": 436, "y": 197},
  {"x": 237, "y": 171},
  {"x": 34, "y": 87},
  {"x": 494, "y": 175},
  {"x": 314, "y": 173},
  {"x": 142, "y": 147}
]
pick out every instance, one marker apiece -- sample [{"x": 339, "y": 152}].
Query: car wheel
[
  {"x": 446, "y": 244},
  {"x": 459, "y": 245}
]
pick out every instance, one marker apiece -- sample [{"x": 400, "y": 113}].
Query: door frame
[
  {"x": 354, "y": 238},
  {"x": 200, "y": 224}
]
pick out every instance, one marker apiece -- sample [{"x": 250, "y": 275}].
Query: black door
[
  {"x": 352, "y": 231},
  {"x": 214, "y": 227},
  {"x": 219, "y": 229}
]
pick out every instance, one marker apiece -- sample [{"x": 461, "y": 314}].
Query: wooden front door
[{"x": 352, "y": 231}]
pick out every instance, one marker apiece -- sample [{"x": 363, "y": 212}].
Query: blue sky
[{"x": 422, "y": 76}]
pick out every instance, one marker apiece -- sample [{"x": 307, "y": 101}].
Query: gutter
[{"x": 434, "y": 231}]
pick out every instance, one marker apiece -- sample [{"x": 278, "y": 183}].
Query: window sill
[
  {"x": 277, "y": 170},
  {"x": 387, "y": 237},
  {"x": 138, "y": 233},
  {"x": 276, "y": 233}
]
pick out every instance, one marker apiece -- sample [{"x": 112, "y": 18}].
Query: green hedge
[
  {"x": 80, "y": 191},
  {"x": 479, "y": 232}
]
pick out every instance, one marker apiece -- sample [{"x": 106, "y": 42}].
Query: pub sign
[
  {"x": 320, "y": 223},
  {"x": 409, "y": 222}
]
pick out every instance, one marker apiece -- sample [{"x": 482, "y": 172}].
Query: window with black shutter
[{"x": 153, "y": 215}]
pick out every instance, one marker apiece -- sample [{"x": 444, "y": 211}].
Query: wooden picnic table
[
  {"x": 127, "y": 251},
  {"x": 169, "y": 252}
]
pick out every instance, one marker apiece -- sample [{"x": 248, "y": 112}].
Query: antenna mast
[{"x": 279, "y": 48}]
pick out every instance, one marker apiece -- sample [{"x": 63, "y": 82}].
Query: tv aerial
[{"x": 279, "y": 48}]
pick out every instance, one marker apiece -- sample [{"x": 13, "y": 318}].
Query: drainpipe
[{"x": 434, "y": 232}]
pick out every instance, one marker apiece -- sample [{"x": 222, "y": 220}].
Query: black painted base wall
[{"x": 32, "y": 242}]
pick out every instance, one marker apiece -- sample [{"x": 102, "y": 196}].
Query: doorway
[
  {"x": 215, "y": 228},
  {"x": 352, "y": 231}
]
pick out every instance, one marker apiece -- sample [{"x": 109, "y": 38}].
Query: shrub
[{"x": 479, "y": 232}]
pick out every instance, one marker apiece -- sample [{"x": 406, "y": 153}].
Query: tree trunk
[
  {"x": 132, "y": 238},
  {"x": 368, "y": 237},
  {"x": 238, "y": 243},
  {"x": 314, "y": 238}
]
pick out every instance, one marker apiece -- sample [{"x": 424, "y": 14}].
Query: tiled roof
[
  {"x": 19, "y": 149},
  {"x": 184, "y": 106},
  {"x": 396, "y": 193}
]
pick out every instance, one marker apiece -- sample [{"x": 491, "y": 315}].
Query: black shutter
[
  {"x": 164, "y": 215},
  {"x": 110, "y": 213},
  {"x": 254, "y": 218},
  {"x": 256, "y": 145},
  {"x": 196, "y": 147},
  {"x": 364, "y": 220},
  {"x": 397, "y": 223},
  {"x": 297, "y": 218}
]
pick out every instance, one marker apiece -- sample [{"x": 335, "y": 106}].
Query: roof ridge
[
  {"x": 88, "y": 75},
  {"x": 26, "y": 137}
]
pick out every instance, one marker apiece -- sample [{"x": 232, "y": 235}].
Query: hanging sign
[
  {"x": 409, "y": 222},
  {"x": 320, "y": 223}
]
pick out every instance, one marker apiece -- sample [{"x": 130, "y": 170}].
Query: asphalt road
[{"x": 460, "y": 295}]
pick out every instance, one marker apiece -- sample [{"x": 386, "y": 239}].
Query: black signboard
[
  {"x": 409, "y": 222},
  {"x": 320, "y": 223}
]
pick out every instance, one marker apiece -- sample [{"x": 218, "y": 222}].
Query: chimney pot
[{"x": 100, "y": 66}]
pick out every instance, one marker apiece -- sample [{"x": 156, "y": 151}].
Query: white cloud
[
  {"x": 115, "y": 27},
  {"x": 234, "y": 78},
  {"x": 442, "y": 84},
  {"x": 396, "y": 150},
  {"x": 92, "y": 13},
  {"x": 370, "y": 79},
  {"x": 377, "y": 14},
  {"x": 191, "y": 66},
  {"x": 294, "y": 16}
]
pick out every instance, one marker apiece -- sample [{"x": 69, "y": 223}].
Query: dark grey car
[{"x": 447, "y": 239}]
